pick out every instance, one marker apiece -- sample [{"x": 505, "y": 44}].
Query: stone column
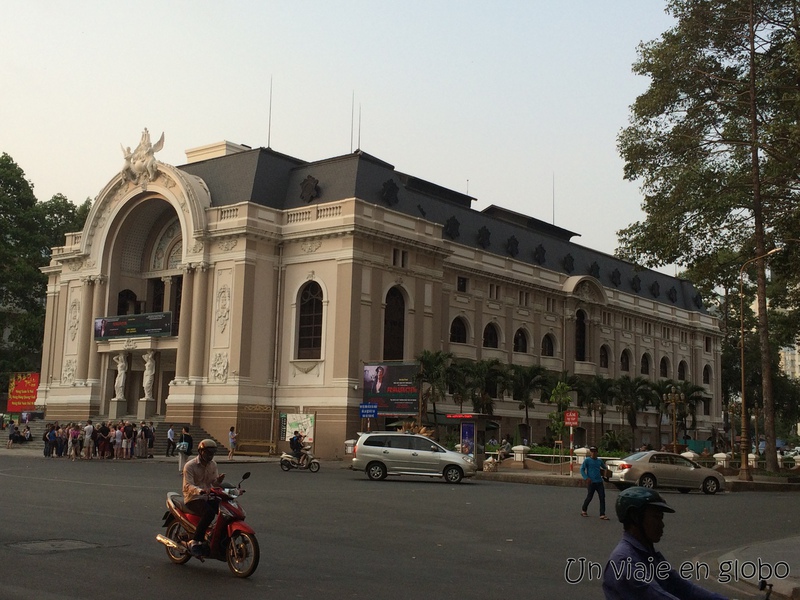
[
  {"x": 167, "y": 293},
  {"x": 185, "y": 326},
  {"x": 97, "y": 311},
  {"x": 85, "y": 330},
  {"x": 197, "y": 350}
]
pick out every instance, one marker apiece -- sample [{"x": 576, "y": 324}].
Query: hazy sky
[{"x": 516, "y": 103}]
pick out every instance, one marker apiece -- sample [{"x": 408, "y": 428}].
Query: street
[{"x": 87, "y": 530}]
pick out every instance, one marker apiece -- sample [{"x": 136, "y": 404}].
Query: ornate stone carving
[
  {"x": 636, "y": 284},
  {"x": 198, "y": 246},
  {"x": 122, "y": 369},
  {"x": 594, "y": 270},
  {"x": 569, "y": 263},
  {"x": 672, "y": 294},
  {"x": 73, "y": 321},
  {"x": 309, "y": 247},
  {"x": 655, "y": 289},
  {"x": 68, "y": 374},
  {"x": 130, "y": 344},
  {"x": 540, "y": 254},
  {"x": 512, "y": 246},
  {"x": 219, "y": 367},
  {"x": 305, "y": 370},
  {"x": 149, "y": 373},
  {"x": 223, "y": 307},
  {"x": 616, "y": 277},
  {"x": 227, "y": 245},
  {"x": 141, "y": 165}
]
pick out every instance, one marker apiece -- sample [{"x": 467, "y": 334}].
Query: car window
[
  {"x": 683, "y": 462},
  {"x": 376, "y": 440},
  {"x": 634, "y": 457},
  {"x": 422, "y": 444},
  {"x": 402, "y": 442}
]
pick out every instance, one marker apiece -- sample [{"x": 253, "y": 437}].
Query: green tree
[
  {"x": 633, "y": 395},
  {"x": 714, "y": 143},
  {"x": 600, "y": 393},
  {"x": 432, "y": 379},
  {"x": 524, "y": 383},
  {"x": 28, "y": 230}
]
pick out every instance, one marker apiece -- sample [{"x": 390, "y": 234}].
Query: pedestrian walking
[{"x": 593, "y": 470}]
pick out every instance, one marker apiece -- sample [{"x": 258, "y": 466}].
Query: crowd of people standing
[{"x": 121, "y": 440}]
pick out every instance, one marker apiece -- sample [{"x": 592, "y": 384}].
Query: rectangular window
[
  {"x": 461, "y": 284},
  {"x": 684, "y": 337},
  {"x": 607, "y": 318},
  {"x": 666, "y": 333},
  {"x": 647, "y": 328},
  {"x": 627, "y": 323},
  {"x": 524, "y": 298},
  {"x": 708, "y": 343},
  {"x": 400, "y": 258},
  {"x": 494, "y": 291},
  {"x": 550, "y": 305}
]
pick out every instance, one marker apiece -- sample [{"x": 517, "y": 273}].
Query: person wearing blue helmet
[{"x": 635, "y": 568}]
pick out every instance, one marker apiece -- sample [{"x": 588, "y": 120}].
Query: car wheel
[
  {"x": 453, "y": 474},
  {"x": 710, "y": 486},
  {"x": 683, "y": 490},
  {"x": 647, "y": 481},
  {"x": 376, "y": 471}
]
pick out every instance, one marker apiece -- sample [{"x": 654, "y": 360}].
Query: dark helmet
[{"x": 634, "y": 500}]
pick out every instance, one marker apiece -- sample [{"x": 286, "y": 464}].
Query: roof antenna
[
  {"x": 359, "y": 126},
  {"x": 269, "y": 126},
  {"x": 554, "y": 197},
  {"x": 467, "y": 187},
  {"x": 352, "y": 117}
]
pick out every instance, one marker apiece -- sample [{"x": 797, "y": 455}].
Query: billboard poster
[
  {"x": 393, "y": 387},
  {"x": 22, "y": 391},
  {"x": 468, "y": 438},
  {"x": 147, "y": 324},
  {"x": 291, "y": 422}
]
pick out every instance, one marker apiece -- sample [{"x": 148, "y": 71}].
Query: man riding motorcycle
[
  {"x": 296, "y": 444},
  {"x": 199, "y": 476}
]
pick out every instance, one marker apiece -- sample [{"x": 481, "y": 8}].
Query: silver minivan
[{"x": 383, "y": 453}]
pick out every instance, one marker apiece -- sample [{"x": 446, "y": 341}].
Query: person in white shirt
[{"x": 88, "y": 442}]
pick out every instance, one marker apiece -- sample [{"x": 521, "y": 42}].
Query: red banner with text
[{"x": 22, "y": 391}]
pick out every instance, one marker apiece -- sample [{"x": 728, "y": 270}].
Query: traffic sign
[
  {"x": 571, "y": 418},
  {"x": 369, "y": 410}
]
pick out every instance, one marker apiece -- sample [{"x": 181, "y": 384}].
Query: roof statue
[{"x": 141, "y": 164}]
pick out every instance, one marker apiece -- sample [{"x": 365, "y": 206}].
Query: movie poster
[
  {"x": 22, "y": 391},
  {"x": 393, "y": 387}
]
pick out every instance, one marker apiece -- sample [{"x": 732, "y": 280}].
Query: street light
[
  {"x": 674, "y": 398},
  {"x": 744, "y": 470}
]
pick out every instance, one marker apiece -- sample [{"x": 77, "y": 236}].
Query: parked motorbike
[
  {"x": 289, "y": 461},
  {"x": 228, "y": 538}
]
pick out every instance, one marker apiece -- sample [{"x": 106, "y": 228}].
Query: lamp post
[
  {"x": 744, "y": 470},
  {"x": 674, "y": 398}
]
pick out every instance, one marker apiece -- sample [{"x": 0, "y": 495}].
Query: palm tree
[
  {"x": 600, "y": 392},
  {"x": 433, "y": 368},
  {"x": 693, "y": 395},
  {"x": 485, "y": 375},
  {"x": 660, "y": 390},
  {"x": 633, "y": 395},
  {"x": 523, "y": 383},
  {"x": 458, "y": 377}
]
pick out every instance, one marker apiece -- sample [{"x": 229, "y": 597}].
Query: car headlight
[{"x": 468, "y": 458}]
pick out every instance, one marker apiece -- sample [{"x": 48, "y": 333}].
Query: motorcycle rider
[
  {"x": 296, "y": 444},
  {"x": 635, "y": 568},
  {"x": 200, "y": 474}
]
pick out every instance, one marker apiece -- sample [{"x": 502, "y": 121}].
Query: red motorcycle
[{"x": 228, "y": 538}]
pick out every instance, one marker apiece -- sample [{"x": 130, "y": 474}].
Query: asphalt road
[{"x": 86, "y": 530}]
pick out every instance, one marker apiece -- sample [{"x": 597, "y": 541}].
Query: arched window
[
  {"x": 707, "y": 375},
  {"x": 603, "y": 357},
  {"x": 645, "y": 369},
  {"x": 490, "y": 337},
  {"x": 521, "y": 341},
  {"x": 548, "y": 348},
  {"x": 458, "y": 331},
  {"x": 625, "y": 361},
  {"x": 580, "y": 336},
  {"x": 309, "y": 324},
  {"x": 394, "y": 319},
  {"x": 682, "y": 368},
  {"x": 127, "y": 303},
  {"x": 664, "y": 368}
]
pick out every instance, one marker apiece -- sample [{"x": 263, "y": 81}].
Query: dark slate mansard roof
[{"x": 269, "y": 178}]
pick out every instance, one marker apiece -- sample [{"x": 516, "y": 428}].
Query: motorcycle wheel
[
  {"x": 313, "y": 466},
  {"x": 285, "y": 465},
  {"x": 243, "y": 554},
  {"x": 177, "y": 533}
]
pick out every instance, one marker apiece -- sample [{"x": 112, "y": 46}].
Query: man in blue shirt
[
  {"x": 592, "y": 470},
  {"x": 635, "y": 568}
]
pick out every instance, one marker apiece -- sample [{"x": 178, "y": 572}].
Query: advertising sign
[
  {"x": 303, "y": 423},
  {"x": 147, "y": 324},
  {"x": 22, "y": 391},
  {"x": 393, "y": 387},
  {"x": 468, "y": 438}
]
